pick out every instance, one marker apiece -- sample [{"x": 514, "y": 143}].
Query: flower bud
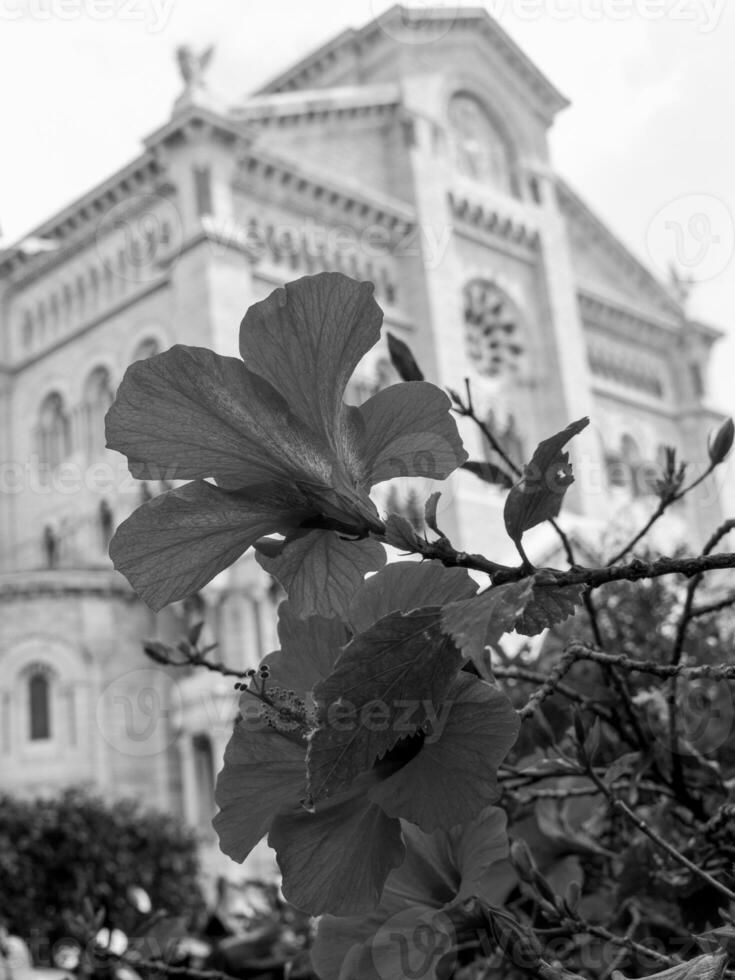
[
  {"x": 522, "y": 860},
  {"x": 721, "y": 444}
]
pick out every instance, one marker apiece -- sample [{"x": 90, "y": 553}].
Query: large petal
[
  {"x": 407, "y": 585},
  {"x": 409, "y": 432},
  {"x": 190, "y": 413},
  {"x": 414, "y": 925},
  {"x": 474, "y": 730},
  {"x": 309, "y": 649},
  {"x": 306, "y": 339},
  {"x": 263, "y": 775},
  {"x": 321, "y": 571},
  {"x": 177, "y": 542},
  {"x": 337, "y": 858}
]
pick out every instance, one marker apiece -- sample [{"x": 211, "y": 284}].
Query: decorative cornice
[
  {"x": 60, "y": 583},
  {"x": 492, "y": 221},
  {"x": 316, "y": 187},
  {"x": 71, "y": 224},
  {"x": 297, "y": 107},
  {"x": 576, "y": 210}
]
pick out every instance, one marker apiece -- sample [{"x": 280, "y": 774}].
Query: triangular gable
[
  {"x": 342, "y": 56},
  {"x": 603, "y": 264}
]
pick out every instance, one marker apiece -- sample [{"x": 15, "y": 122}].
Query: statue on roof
[
  {"x": 192, "y": 66},
  {"x": 681, "y": 285}
]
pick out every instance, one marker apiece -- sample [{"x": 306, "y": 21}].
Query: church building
[{"x": 412, "y": 152}]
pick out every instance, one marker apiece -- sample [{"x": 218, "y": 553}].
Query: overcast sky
[{"x": 648, "y": 140}]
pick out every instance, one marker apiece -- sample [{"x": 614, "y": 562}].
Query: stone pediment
[
  {"x": 345, "y": 59},
  {"x": 603, "y": 266}
]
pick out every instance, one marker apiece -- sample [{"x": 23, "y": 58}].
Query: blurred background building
[{"x": 424, "y": 168}]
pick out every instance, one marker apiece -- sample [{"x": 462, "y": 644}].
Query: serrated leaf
[
  {"x": 481, "y": 621},
  {"x": 404, "y": 664},
  {"x": 490, "y": 473},
  {"x": 321, "y": 571},
  {"x": 539, "y": 493},
  {"x": 403, "y": 360},
  {"x": 548, "y": 605}
]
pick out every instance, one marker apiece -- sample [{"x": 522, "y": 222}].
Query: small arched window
[
  {"x": 54, "y": 431},
  {"x": 492, "y": 329},
  {"x": 98, "y": 396},
  {"x": 145, "y": 349},
  {"x": 27, "y": 331},
  {"x": 479, "y": 148},
  {"x": 39, "y": 704}
]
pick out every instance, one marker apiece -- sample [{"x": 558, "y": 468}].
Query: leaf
[
  {"x": 539, "y": 493},
  {"x": 701, "y": 968},
  {"x": 399, "y": 669},
  {"x": 401, "y": 534},
  {"x": 623, "y": 765},
  {"x": 403, "y": 360},
  {"x": 175, "y": 543},
  {"x": 548, "y": 605},
  {"x": 481, "y": 621},
  {"x": 403, "y": 586},
  {"x": 475, "y": 728},
  {"x": 490, "y": 473},
  {"x": 337, "y": 858},
  {"x": 409, "y": 431},
  {"x": 307, "y": 338},
  {"x": 430, "y": 512},
  {"x": 321, "y": 571}
]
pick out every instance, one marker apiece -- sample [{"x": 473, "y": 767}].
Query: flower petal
[
  {"x": 409, "y": 432},
  {"x": 263, "y": 774},
  {"x": 306, "y": 339},
  {"x": 337, "y": 858},
  {"x": 321, "y": 571},
  {"x": 177, "y": 542},
  {"x": 421, "y": 901},
  {"x": 309, "y": 648},
  {"x": 190, "y": 413},
  {"x": 407, "y": 585},
  {"x": 474, "y": 731}
]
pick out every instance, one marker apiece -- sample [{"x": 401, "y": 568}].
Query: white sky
[{"x": 648, "y": 141}]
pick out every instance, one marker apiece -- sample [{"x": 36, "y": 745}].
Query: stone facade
[{"x": 413, "y": 153}]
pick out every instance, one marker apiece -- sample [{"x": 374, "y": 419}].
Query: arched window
[
  {"x": 54, "y": 431},
  {"x": 98, "y": 396},
  {"x": 491, "y": 329},
  {"x": 627, "y": 468},
  {"x": 145, "y": 349},
  {"x": 39, "y": 704},
  {"x": 205, "y": 777},
  {"x": 479, "y": 149},
  {"x": 27, "y": 331}
]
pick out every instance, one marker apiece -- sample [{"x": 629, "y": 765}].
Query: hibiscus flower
[
  {"x": 335, "y": 854},
  {"x": 426, "y": 909},
  {"x": 286, "y": 453}
]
